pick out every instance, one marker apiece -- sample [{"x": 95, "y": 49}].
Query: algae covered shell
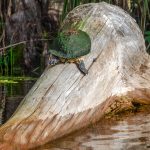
[{"x": 71, "y": 44}]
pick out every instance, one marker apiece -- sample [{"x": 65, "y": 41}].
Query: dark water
[
  {"x": 128, "y": 132},
  {"x": 11, "y": 94}
]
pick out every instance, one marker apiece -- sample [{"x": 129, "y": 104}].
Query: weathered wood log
[{"x": 63, "y": 100}]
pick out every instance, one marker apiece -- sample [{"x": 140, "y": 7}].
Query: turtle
[{"x": 70, "y": 46}]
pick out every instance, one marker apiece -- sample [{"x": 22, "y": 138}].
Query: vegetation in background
[
  {"x": 11, "y": 61},
  {"x": 23, "y": 22},
  {"x": 13, "y": 58}
]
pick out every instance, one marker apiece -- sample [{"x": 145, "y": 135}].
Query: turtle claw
[{"x": 82, "y": 68}]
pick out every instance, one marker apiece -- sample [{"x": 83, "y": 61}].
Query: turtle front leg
[
  {"x": 53, "y": 60},
  {"x": 81, "y": 66}
]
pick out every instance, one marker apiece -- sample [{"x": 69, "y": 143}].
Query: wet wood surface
[{"x": 64, "y": 100}]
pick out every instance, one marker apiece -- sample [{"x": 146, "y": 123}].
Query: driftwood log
[{"x": 63, "y": 100}]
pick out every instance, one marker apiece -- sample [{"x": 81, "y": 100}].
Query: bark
[{"x": 64, "y": 100}]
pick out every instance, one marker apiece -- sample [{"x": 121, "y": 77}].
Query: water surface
[
  {"x": 130, "y": 132},
  {"x": 12, "y": 91}
]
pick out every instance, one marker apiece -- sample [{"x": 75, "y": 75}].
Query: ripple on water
[{"x": 130, "y": 133}]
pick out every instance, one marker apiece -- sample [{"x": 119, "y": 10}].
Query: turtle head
[{"x": 53, "y": 60}]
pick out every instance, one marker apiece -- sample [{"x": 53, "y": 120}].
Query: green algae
[{"x": 14, "y": 80}]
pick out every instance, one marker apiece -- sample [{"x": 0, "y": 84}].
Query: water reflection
[{"x": 129, "y": 133}]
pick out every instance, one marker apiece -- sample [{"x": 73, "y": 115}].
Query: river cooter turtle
[{"x": 69, "y": 46}]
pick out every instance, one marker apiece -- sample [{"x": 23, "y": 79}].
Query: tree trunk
[
  {"x": 64, "y": 100},
  {"x": 27, "y": 22}
]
